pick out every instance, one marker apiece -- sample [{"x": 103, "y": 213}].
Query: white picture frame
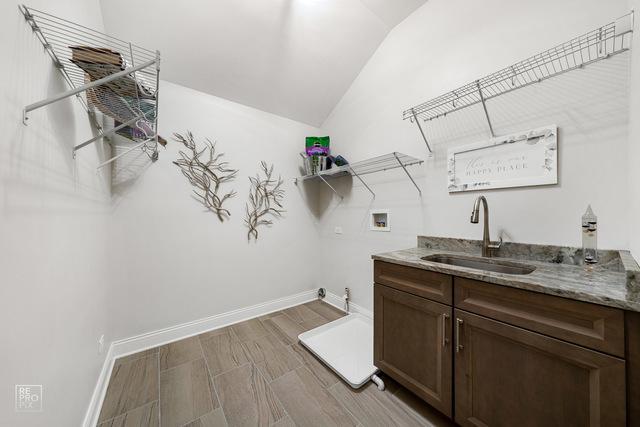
[{"x": 522, "y": 159}]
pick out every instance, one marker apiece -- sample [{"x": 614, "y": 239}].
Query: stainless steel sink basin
[{"x": 487, "y": 264}]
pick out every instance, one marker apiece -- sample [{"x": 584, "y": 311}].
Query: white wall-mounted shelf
[
  {"x": 601, "y": 43},
  {"x": 106, "y": 74},
  {"x": 375, "y": 164}
]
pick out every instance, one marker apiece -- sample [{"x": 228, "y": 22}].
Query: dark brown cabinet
[
  {"x": 506, "y": 376},
  {"x": 488, "y": 355},
  {"x": 588, "y": 325},
  {"x": 412, "y": 343}
]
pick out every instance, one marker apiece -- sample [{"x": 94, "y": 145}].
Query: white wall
[
  {"x": 447, "y": 43},
  {"x": 53, "y": 231},
  {"x": 77, "y": 262},
  {"x": 634, "y": 141},
  {"x": 172, "y": 261}
]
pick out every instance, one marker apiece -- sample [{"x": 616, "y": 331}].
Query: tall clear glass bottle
[{"x": 590, "y": 236}]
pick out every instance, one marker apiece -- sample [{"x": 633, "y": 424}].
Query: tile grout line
[
  {"x": 342, "y": 312},
  {"x": 413, "y": 413},
  {"x": 293, "y": 354},
  {"x": 118, "y": 360},
  {"x": 406, "y": 408},
  {"x": 278, "y": 340},
  {"x": 229, "y": 370},
  {"x": 288, "y": 347},
  {"x": 241, "y": 341},
  {"x": 303, "y": 364},
  {"x": 136, "y": 407},
  {"x": 358, "y": 420},
  {"x": 276, "y": 326},
  {"x": 291, "y": 317},
  {"x": 255, "y": 368},
  {"x": 300, "y": 359},
  {"x": 309, "y": 308},
  {"x": 129, "y": 411},
  {"x": 183, "y": 363},
  {"x": 213, "y": 385}
]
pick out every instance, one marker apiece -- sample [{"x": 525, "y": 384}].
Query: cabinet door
[
  {"x": 412, "y": 344},
  {"x": 507, "y": 376}
]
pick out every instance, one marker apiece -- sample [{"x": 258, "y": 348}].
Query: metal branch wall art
[
  {"x": 265, "y": 200},
  {"x": 206, "y": 171}
]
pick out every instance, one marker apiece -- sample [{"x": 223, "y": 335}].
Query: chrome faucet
[{"x": 487, "y": 247}]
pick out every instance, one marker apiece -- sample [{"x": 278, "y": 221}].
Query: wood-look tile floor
[{"x": 253, "y": 373}]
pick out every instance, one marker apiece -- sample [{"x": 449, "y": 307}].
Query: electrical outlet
[
  {"x": 337, "y": 230},
  {"x": 101, "y": 344}
]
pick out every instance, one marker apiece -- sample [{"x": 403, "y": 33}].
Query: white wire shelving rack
[
  {"x": 601, "y": 43},
  {"x": 358, "y": 169},
  {"x": 107, "y": 75}
]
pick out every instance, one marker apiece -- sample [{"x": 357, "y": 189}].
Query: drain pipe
[{"x": 378, "y": 382}]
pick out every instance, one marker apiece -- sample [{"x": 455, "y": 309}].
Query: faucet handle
[{"x": 496, "y": 246}]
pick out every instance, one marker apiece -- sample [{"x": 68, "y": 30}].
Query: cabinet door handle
[
  {"x": 445, "y": 317},
  {"x": 459, "y": 322}
]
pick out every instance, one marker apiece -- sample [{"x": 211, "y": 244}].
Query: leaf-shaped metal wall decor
[
  {"x": 265, "y": 200},
  {"x": 206, "y": 171}
]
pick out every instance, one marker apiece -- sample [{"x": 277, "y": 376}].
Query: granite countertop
[{"x": 614, "y": 282}]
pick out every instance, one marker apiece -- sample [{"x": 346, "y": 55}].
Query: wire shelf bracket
[
  {"x": 354, "y": 173},
  {"x": 417, "y": 121},
  {"x": 484, "y": 107},
  {"x": 118, "y": 78},
  {"x": 329, "y": 185},
  {"x": 601, "y": 43},
  {"x": 358, "y": 169},
  {"x": 407, "y": 172}
]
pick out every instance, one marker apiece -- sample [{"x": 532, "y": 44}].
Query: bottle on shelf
[{"x": 590, "y": 237}]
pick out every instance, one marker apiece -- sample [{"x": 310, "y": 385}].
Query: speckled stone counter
[{"x": 613, "y": 282}]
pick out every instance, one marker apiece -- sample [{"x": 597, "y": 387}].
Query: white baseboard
[
  {"x": 149, "y": 340},
  {"x": 142, "y": 342},
  {"x": 338, "y": 302},
  {"x": 93, "y": 411}
]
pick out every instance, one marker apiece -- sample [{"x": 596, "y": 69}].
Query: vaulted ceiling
[{"x": 294, "y": 58}]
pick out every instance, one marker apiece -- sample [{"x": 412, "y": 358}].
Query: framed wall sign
[{"x": 518, "y": 160}]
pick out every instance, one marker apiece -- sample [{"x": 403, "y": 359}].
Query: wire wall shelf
[
  {"x": 358, "y": 169},
  {"x": 107, "y": 75},
  {"x": 596, "y": 45}
]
